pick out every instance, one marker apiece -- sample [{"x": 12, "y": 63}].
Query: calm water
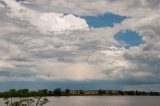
[{"x": 103, "y": 101}]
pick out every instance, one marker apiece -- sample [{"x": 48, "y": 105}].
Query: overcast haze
[{"x": 80, "y": 44}]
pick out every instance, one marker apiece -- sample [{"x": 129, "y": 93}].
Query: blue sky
[
  {"x": 129, "y": 38},
  {"x": 79, "y": 45},
  {"x": 104, "y": 20}
]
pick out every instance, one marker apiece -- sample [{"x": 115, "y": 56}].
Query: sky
[{"x": 80, "y": 44}]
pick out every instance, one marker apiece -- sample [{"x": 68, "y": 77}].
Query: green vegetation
[
  {"x": 25, "y": 101},
  {"x": 25, "y": 97},
  {"x": 67, "y": 92}
]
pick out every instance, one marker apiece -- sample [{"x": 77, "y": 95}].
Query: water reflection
[
  {"x": 102, "y": 101},
  {"x": 105, "y": 101}
]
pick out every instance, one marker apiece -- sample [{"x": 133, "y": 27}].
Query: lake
[{"x": 103, "y": 101}]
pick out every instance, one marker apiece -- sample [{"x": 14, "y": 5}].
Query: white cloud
[
  {"x": 81, "y": 55},
  {"x": 46, "y": 22}
]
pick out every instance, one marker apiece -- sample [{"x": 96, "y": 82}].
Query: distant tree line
[
  {"x": 68, "y": 92},
  {"x": 39, "y": 93},
  {"x": 130, "y": 93}
]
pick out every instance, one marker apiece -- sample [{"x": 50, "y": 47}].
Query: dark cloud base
[{"x": 129, "y": 84}]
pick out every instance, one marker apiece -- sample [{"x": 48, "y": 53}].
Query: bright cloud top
[{"x": 46, "y": 22}]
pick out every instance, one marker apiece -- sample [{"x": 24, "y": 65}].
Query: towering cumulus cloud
[{"x": 46, "y": 22}]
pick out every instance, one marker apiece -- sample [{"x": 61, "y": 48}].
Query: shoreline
[{"x": 67, "y": 92}]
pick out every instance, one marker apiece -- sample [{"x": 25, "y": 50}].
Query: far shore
[{"x": 67, "y": 92}]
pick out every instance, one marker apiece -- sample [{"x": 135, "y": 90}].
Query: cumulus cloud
[
  {"x": 46, "y": 22},
  {"x": 33, "y": 41}
]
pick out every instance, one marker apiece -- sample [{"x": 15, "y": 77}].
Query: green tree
[
  {"x": 57, "y": 92},
  {"x": 67, "y": 92},
  {"x": 100, "y": 92},
  {"x": 23, "y": 92}
]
